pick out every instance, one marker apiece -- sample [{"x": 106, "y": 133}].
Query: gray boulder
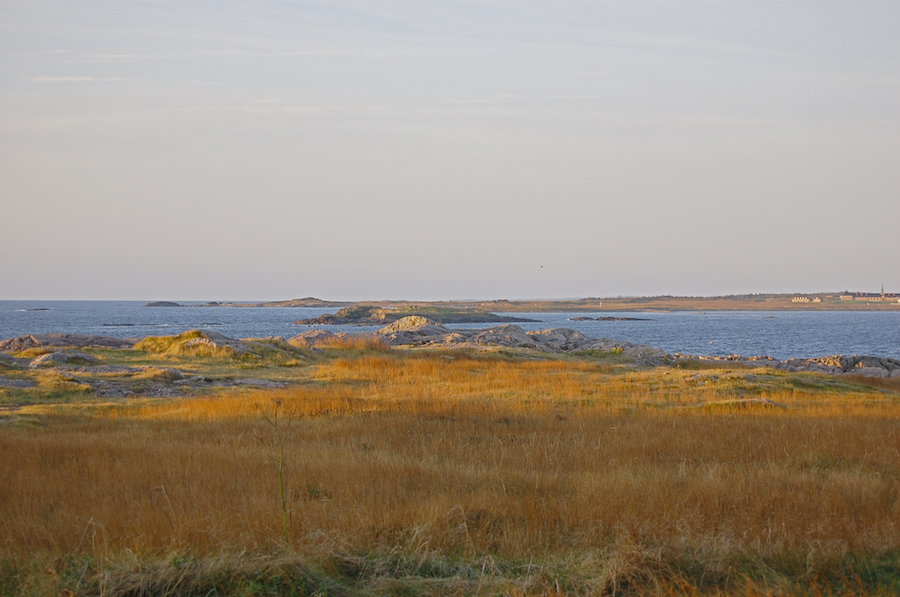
[
  {"x": 410, "y": 321},
  {"x": 55, "y": 359},
  {"x": 8, "y": 361},
  {"x": 562, "y": 339},
  {"x": 312, "y": 338},
  {"x": 509, "y": 336},
  {"x": 639, "y": 352},
  {"x": 417, "y": 331}
]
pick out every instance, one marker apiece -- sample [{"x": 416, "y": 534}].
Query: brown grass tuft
[
  {"x": 884, "y": 383},
  {"x": 356, "y": 342}
]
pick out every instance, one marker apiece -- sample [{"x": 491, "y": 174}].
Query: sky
[{"x": 442, "y": 150}]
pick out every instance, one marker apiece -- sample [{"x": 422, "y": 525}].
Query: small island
[
  {"x": 374, "y": 315},
  {"x": 609, "y": 319}
]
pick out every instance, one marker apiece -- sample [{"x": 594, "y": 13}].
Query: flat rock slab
[
  {"x": 114, "y": 370},
  {"x": 64, "y": 341},
  {"x": 55, "y": 359},
  {"x": 16, "y": 383}
]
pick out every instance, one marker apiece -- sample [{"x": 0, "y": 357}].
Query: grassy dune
[{"x": 453, "y": 473}]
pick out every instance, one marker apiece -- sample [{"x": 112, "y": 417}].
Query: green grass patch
[{"x": 367, "y": 575}]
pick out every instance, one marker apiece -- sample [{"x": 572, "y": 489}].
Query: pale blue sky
[{"x": 229, "y": 150}]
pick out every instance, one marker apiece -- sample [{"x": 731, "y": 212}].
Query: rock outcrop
[
  {"x": 423, "y": 332},
  {"x": 420, "y": 331},
  {"x": 64, "y": 341},
  {"x": 868, "y": 366},
  {"x": 9, "y": 361}
]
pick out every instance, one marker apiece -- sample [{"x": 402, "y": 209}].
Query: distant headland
[
  {"x": 308, "y": 302},
  {"x": 469, "y": 310}
]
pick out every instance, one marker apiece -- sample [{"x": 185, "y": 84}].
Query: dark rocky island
[
  {"x": 373, "y": 315},
  {"x": 609, "y": 319},
  {"x": 163, "y": 304}
]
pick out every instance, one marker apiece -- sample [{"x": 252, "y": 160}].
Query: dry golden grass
[
  {"x": 545, "y": 472},
  {"x": 30, "y": 353},
  {"x": 356, "y": 342},
  {"x": 883, "y": 383}
]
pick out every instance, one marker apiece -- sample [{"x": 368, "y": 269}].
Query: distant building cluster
[
  {"x": 805, "y": 299},
  {"x": 872, "y": 297}
]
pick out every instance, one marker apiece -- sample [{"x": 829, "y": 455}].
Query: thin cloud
[
  {"x": 128, "y": 56},
  {"x": 77, "y": 80},
  {"x": 107, "y": 58},
  {"x": 221, "y": 53},
  {"x": 300, "y": 109}
]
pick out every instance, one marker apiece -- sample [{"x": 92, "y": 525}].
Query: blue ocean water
[{"x": 779, "y": 334}]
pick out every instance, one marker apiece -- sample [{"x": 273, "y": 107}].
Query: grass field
[{"x": 419, "y": 473}]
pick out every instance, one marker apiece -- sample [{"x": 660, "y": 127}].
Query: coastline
[{"x": 780, "y": 334}]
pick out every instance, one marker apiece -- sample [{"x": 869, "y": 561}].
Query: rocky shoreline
[
  {"x": 868, "y": 366},
  {"x": 421, "y": 332},
  {"x": 64, "y": 356}
]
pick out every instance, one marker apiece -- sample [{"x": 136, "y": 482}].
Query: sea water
[{"x": 779, "y": 334}]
